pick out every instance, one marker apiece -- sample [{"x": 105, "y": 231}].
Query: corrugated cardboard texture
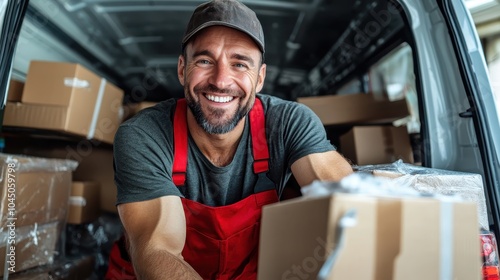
[
  {"x": 376, "y": 144},
  {"x": 393, "y": 239},
  {"x": 38, "y": 116},
  {"x": 84, "y": 203},
  {"x": 355, "y": 109},
  {"x": 35, "y": 245},
  {"x": 15, "y": 91}
]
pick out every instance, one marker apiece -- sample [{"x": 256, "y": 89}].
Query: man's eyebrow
[
  {"x": 234, "y": 56},
  {"x": 203, "y": 52},
  {"x": 244, "y": 58}
]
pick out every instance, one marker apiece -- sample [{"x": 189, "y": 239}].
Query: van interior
[{"x": 328, "y": 55}]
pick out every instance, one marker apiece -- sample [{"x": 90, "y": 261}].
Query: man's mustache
[{"x": 214, "y": 89}]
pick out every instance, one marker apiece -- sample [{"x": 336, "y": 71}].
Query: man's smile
[{"x": 219, "y": 99}]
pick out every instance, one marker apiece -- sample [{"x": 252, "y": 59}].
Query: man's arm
[
  {"x": 327, "y": 166},
  {"x": 156, "y": 231}
]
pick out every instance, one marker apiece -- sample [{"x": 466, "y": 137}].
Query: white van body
[{"x": 457, "y": 117}]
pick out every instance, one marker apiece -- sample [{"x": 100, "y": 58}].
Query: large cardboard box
[
  {"x": 15, "y": 91},
  {"x": 376, "y": 144},
  {"x": 34, "y": 190},
  {"x": 70, "y": 98},
  {"x": 355, "y": 109},
  {"x": 84, "y": 202},
  {"x": 34, "y": 245},
  {"x": 391, "y": 238}
]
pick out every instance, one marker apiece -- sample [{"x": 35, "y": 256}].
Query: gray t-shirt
[{"x": 143, "y": 155}]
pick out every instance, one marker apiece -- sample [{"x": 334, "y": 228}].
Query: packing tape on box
[
  {"x": 97, "y": 109},
  {"x": 74, "y": 82},
  {"x": 77, "y": 201},
  {"x": 446, "y": 238}
]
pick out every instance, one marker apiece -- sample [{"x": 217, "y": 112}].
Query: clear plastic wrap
[
  {"x": 34, "y": 201},
  {"x": 95, "y": 239},
  {"x": 469, "y": 186}
]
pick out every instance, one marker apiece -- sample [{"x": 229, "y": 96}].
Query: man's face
[{"x": 221, "y": 72}]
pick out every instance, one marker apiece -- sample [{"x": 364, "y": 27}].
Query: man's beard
[{"x": 220, "y": 126}]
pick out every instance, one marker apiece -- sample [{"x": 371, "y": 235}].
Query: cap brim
[{"x": 220, "y": 23}]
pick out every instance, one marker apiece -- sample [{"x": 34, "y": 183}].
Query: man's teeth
[{"x": 220, "y": 99}]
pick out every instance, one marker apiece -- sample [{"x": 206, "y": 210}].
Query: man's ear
[
  {"x": 181, "y": 66},
  {"x": 261, "y": 77}
]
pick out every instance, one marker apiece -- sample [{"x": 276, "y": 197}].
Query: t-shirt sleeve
[
  {"x": 304, "y": 133},
  {"x": 141, "y": 166}
]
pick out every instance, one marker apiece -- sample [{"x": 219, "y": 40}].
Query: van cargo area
[{"x": 401, "y": 87}]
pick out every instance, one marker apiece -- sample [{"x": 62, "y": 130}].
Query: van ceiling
[{"x": 139, "y": 41}]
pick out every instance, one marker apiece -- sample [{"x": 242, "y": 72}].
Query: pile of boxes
[
  {"x": 63, "y": 112},
  {"x": 370, "y": 231},
  {"x": 71, "y": 184},
  {"x": 34, "y": 204},
  {"x": 66, "y": 97},
  {"x": 371, "y": 137}
]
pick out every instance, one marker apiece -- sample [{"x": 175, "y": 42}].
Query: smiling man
[{"x": 193, "y": 174}]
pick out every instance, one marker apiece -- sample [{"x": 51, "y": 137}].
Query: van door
[
  {"x": 11, "y": 18},
  {"x": 459, "y": 112}
]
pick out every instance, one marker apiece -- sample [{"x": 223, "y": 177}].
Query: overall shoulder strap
[
  {"x": 259, "y": 141},
  {"x": 179, "y": 166}
]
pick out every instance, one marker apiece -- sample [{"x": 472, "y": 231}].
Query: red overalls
[{"x": 221, "y": 242}]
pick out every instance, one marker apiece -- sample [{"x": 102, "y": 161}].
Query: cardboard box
[
  {"x": 376, "y": 144},
  {"x": 35, "y": 245},
  {"x": 34, "y": 190},
  {"x": 84, "y": 202},
  {"x": 394, "y": 238},
  {"x": 69, "y": 98},
  {"x": 352, "y": 109},
  {"x": 15, "y": 91}
]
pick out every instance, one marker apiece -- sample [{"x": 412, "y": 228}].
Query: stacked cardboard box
[
  {"x": 376, "y": 144},
  {"x": 69, "y": 98},
  {"x": 84, "y": 202},
  {"x": 34, "y": 202},
  {"x": 351, "y": 109},
  {"x": 370, "y": 138},
  {"x": 379, "y": 236}
]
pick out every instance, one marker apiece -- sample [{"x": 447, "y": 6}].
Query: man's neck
[{"x": 217, "y": 148}]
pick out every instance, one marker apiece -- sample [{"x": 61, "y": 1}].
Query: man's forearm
[{"x": 160, "y": 264}]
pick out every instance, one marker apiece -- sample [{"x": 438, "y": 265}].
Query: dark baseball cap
[{"x": 230, "y": 13}]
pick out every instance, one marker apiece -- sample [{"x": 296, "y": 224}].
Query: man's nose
[{"x": 221, "y": 76}]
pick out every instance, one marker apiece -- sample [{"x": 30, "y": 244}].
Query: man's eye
[
  {"x": 240, "y": 65},
  {"x": 203, "y": 61}
]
